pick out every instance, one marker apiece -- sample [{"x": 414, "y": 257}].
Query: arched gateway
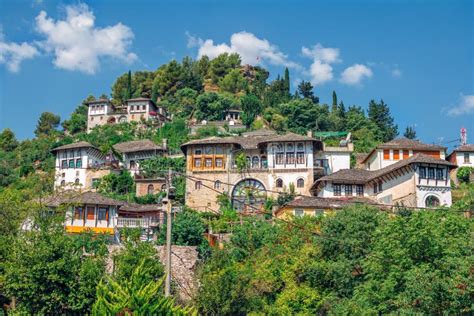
[{"x": 249, "y": 195}]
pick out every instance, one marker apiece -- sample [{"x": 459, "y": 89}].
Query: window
[
  {"x": 163, "y": 187},
  {"x": 376, "y": 188},
  {"x": 300, "y": 183},
  {"x": 422, "y": 172},
  {"x": 279, "y": 158},
  {"x": 197, "y": 163},
  {"x": 337, "y": 189},
  {"x": 396, "y": 154},
  {"x": 290, "y": 158},
  {"x": 79, "y": 163},
  {"x": 432, "y": 201},
  {"x": 386, "y": 154},
  {"x": 318, "y": 212},
  {"x": 217, "y": 184},
  {"x": 133, "y": 164},
  {"x": 71, "y": 163},
  {"x": 359, "y": 190},
  {"x": 219, "y": 163},
  {"x": 64, "y": 164},
  {"x": 63, "y": 174},
  {"x": 198, "y": 151},
  {"x": 439, "y": 174},
  {"x": 431, "y": 173},
  {"x": 132, "y": 107},
  {"x": 380, "y": 186},
  {"x": 248, "y": 160},
  {"x": 300, "y": 158},
  {"x": 300, "y": 147},
  {"x": 219, "y": 150},
  {"x": 197, "y": 185},
  {"x": 90, "y": 213},
  {"x": 299, "y": 212},
  {"x": 78, "y": 213},
  {"x": 63, "y": 183},
  {"x": 255, "y": 162},
  {"x": 208, "y": 150},
  {"x": 264, "y": 162},
  {"x": 150, "y": 189},
  {"x": 76, "y": 181},
  {"x": 466, "y": 158},
  {"x": 143, "y": 107},
  {"x": 103, "y": 214},
  {"x": 406, "y": 154},
  {"x": 348, "y": 189},
  {"x": 279, "y": 183},
  {"x": 208, "y": 162}
]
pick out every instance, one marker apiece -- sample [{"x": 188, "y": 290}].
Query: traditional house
[
  {"x": 103, "y": 111},
  {"x": 399, "y": 149},
  {"x": 80, "y": 165},
  {"x": 314, "y": 206},
  {"x": 249, "y": 168},
  {"x": 417, "y": 181},
  {"x": 136, "y": 151},
  {"x": 146, "y": 186},
  {"x": 462, "y": 156}
]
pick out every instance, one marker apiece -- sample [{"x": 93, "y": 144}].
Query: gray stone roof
[
  {"x": 73, "y": 197},
  {"x": 80, "y": 144},
  {"x": 466, "y": 148},
  {"x": 320, "y": 202},
  {"x": 133, "y": 207},
  {"x": 98, "y": 101},
  {"x": 137, "y": 145}
]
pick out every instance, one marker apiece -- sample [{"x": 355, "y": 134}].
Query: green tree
[
  {"x": 305, "y": 89},
  {"x": 167, "y": 80},
  {"x": 233, "y": 82},
  {"x": 286, "y": 80},
  {"x": 129, "y": 86},
  {"x": 334, "y": 100},
  {"x": 77, "y": 123},
  {"x": 410, "y": 133},
  {"x": 47, "y": 124},
  {"x": 251, "y": 107},
  {"x": 379, "y": 113},
  {"x": 118, "y": 184},
  {"x": 211, "y": 106},
  {"x": 463, "y": 174},
  {"x": 8, "y": 140},
  {"x": 222, "y": 65},
  {"x": 190, "y": 75}
]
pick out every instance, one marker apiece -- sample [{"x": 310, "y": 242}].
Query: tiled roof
[
  {"x": 467, "y": 147},
  {"x": 137, "y": 145},
  {"x": 73, "y": 197},
  {"x": 133, "y": 207},
  {"x": 138, "y": 99},
  {"x": 361, "y": 176},
  {"x": 98, "y": 101},
  {"x": 81, "y": 144},
  {"x": 316, "y": 202}
]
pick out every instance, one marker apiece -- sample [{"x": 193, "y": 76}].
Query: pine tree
[
  {"x": 334, "y": 100},
  {"x": 305, "y": 89},
  {"x": 379, "y": 113},
  {"x": 410, "y": 133}
]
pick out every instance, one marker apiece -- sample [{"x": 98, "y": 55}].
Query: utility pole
[{"x": 167, "y": 202}]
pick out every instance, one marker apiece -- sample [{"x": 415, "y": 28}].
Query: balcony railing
[{"x": 143, "y": 222}]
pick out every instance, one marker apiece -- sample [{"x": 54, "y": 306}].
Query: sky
[{"x": 418, "y": 56}]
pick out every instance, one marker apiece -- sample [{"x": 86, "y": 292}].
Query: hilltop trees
[
  {"x": 410, "y": 133},
  {"x": 251, "y": 107},
  {"x": 47, "y": 123},
  {"x": 379, "y": 113}
]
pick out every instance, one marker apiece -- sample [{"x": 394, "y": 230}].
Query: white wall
[{"x": 460, "y": 159}]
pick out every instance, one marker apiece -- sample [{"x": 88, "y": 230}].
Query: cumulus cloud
[
  {"x": 321, "y": 70},
  {"x": 12, "y": 54},
  {"x": 252, "y": 50},
  {"x": 77, "y": 44},
  {"x": 465, "y": 106},
  {"x": 354, "y": 74},
  {"x": 397, "y": 73}
]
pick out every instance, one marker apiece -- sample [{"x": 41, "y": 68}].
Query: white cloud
[
  {"x": 321, "y": 70},
  {"x": 465, "y": 106},
  {"x": 78, "y": 45},
  {"x": 252, "y": 50},
  {"x": 354, "y": 74},
  {"x": 12, "y": 54},
  {"x": 396, "y": 72}
]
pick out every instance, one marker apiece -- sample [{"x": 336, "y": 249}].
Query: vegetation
[{"x": 464, "y": 173}]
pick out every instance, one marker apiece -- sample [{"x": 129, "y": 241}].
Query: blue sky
[{"x": 416, "y": 55}]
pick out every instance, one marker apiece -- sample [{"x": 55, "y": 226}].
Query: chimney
[
  {"x": 165, "y": 144},
  {"x": 309, "y": 133}
]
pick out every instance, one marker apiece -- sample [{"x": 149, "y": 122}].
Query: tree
[
  {"x": 120, "y": 184},
  {"x": 8, "y": 140},
  {"x": 463, "y": 174},
  {"x": 410, "y": 133},
  {"x": 251, "y": 107},
  {"x": 77, "y": 123},
  {"x": 287, "y": 81},
  {"x": 334, "y": 100},
  {"x": 129, "y": 86},
  {"x": 167, "y": 80},
  {"x": 379, "y": 113},
  {"x": 305, "y": 89},
  {"x": 135, "y": 295},
  {"x": 190, "y": 75},
  {"x": 211, "y": 106},
  {"x": 47, "y": 123},
  {"x": 222, "y": 65},
  {"x": 233, "y": 82}
]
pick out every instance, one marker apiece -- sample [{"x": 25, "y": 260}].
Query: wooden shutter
[
  {"x": 90, "y": 213},
  {"x": 406, "y": 154},
  {"x": 396, "y": 154},
  {"x": 386, "y": 154}
]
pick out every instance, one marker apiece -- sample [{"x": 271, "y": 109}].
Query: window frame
[
  {"x": 337, "y": 189},
  {"x": 300, "y": 183},
  {"x": 348, "y": 190},
  {"x": 79, "y": 163},
  {"x": 279, "y": 183},
  {"x": 298, "y": 212},
  {"x": 359, "y": 190},
  {"x": 467, "y": 158},
  {"x": 102, "y": 213}
]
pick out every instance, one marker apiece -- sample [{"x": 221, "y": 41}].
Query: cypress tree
[
  {"x": 287, "y": 81},
  {"x": 129, "y": 86},
  {"x": 334, "y": 100}
]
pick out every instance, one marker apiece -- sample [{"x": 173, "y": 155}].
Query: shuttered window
[{"x": 386, "y": 154}]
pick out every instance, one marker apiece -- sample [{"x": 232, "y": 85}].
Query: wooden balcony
[{"x": 140, "y": 222}]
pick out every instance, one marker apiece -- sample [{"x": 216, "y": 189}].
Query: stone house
[
  {"x": 144, "y": 186},
  {"x": 462, "y": 156},
  {"x": 136, "y": 151}
]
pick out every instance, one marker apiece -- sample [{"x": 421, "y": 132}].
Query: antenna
[{"x": 463, "y": 136}]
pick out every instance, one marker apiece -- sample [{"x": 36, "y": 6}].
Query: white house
[
  {"x": 418, "y": 181},
  {"x": 463, "y": 156},
  {"x": 136, "y": 151}
]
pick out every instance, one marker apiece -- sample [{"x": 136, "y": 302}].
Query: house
[
  {"x": 103, "y": 111},
  {"x": 136, "y": 151},
  {"x": 399, "y": 149},
  {"x": 462, "y": 156},
  {"x": 91, "y": 211},
  {"x": 314, "y": 206},
  {"x": 144, "y": 186},
  {"x": 417, "y": 181},
  {"x": 80, "y": 165},
  {"x": 231, "y": 121},
  {"x": 249, "y": 168}
]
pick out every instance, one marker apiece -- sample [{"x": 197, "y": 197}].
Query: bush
[{"x": 463, "y": 174}]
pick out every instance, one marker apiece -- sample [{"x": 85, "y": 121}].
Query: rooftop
[
  {"x": 80, "y": 144},
  {"x": 466, "y": 148},
  {"x": 137, "y": 145},
  {"x": 73, "y": 197}
]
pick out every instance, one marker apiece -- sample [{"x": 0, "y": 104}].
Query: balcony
[{"x": 139, "y": 222}]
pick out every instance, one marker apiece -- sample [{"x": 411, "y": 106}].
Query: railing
[{"x": 144, "y": 222}]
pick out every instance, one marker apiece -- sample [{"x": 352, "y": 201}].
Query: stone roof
[
  {"x": 467, "y": 147},
  {"x": 362, "y": 176},
  {"x": 405, "y": 143},
  {"x": 98, "y": 101},
  {"x": 133, "y": 207},
  {"x": 138, "y": 99},
  {"x": 73, "y": 197},
  {"x": 250, "y": 141},
  {"x": 137, "y": 145},
  {"x": 259, "y": 132},
  {"x": 320, "y": 202},
  {"x": 80, "y": 144}
]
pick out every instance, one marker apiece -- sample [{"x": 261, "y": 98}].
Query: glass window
[
  {"x": 217, "y": 184},
  {"x": 348, "y": 189},
  {"x": 289, "y": 147},
  {"x": 79, "y": 163},
  {"x": 248, "y": 161},
  {"x": 360, "y": 190},
  {"x": 219, "y": 163},
  {"x": 299, "y": 212},
  {"x": 143, "y": 107},
  {"x": 150, "y": 189},
  {"x": 64, "y": 164},
  {"x": 197, "y": 163},
  {"x": 208, "y": 150},
  {"x": 208, "y": 162},
  {"x": 300, "y": 158},
  {"x": 422, "y": 172},
  {"x": 78, "y": 213},
  {"x": 255, "y": 162},
  {"x": 386, "y": 154},
  {"x": 300, "y": 183},
  {"x": 197, "y": 185},
  {"x": 318, "y": 212},
  {"x": 264, "y": 162},
  {"x": 279, "y": 183},
  {"x": 219, "y": 150},
  {"x": 300, "y": 147},
  {"x": 337, "y": 189},
  {"x": 76, "y": 181},
  {"x": 431, "y": 173},
  {"x": 198, "y": 151},
  {"x": 90, "y": 213},
  {"x": 290, "y": 158},
  {"x": 71, "y": 163},
  {"x": 396, "y": 154},
  {"x": 439, "y": 174},
  {"x": 133, "y": 164},
  {"x": 432, "y": 201},
  {"x": 103, "y": 214},
  {"x": 376, "y": 188},
  {"x": 466, "y": 158},
  {"x": 279, "y": 158},
  {"x": 63, "y": 183},
  {"x": 380, "y": 186}
]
